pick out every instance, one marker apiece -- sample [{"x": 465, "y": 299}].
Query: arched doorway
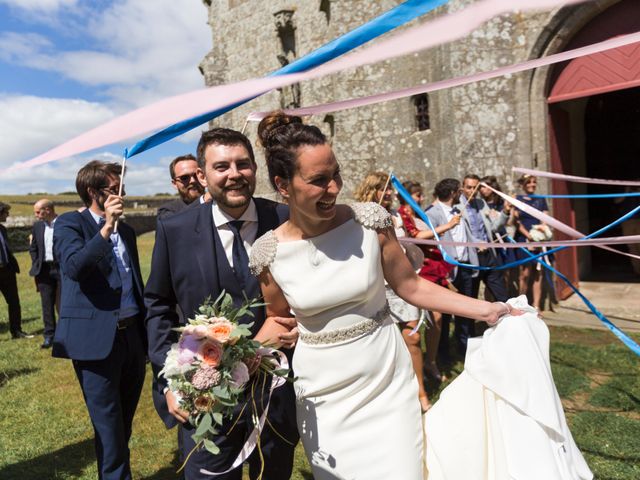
[{"x": 594, "y": 130}]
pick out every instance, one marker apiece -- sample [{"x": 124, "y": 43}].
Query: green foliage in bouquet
[{"x": 215, "y": 367}]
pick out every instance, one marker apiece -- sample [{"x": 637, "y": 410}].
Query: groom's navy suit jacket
[{"x": 189, "y": 264}]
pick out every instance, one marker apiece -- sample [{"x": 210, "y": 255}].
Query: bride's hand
[
  {"x": 288, "y": 339},
  {"x": 500, "y": 310},
  {"x": 174, "y": 407}
]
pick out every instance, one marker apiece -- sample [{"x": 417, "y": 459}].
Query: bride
[{"x": 357, "y": 408}]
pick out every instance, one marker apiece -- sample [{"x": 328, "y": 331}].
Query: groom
[{"x": 198, "y": 253}]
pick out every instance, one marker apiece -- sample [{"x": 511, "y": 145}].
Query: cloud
[
  {"x": 30, "y": 125},
  {"x": 129, "y": 52},
  {"x": 38, "y": 5},
  {"x": 57, "y": 177},
  {"x": 144, "y": 51}
]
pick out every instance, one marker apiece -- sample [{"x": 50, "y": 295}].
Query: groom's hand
[
  {"x": 288, "y": 339},
  {"x": 172, "y": 404}
]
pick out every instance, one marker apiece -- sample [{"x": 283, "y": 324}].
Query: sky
[{"x": 67, "y": 66}]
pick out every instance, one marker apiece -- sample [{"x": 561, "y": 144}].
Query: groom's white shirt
[{"x": 248, "y": 231}]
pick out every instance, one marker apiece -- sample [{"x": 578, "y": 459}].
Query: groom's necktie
[{"x": 239, "y": 255}]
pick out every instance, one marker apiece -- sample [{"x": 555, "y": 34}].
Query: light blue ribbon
[
  {"x": 398, "y": 16},
  {"x": 628, "y": 341},
  {"x": 591, "y": 195},
  {"x": 412, "y": 203}
]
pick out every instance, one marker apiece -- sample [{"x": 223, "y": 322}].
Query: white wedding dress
[{"x": 357, "y": 396}]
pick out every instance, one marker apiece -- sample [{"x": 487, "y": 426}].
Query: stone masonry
[{"x": 484, "y": 128}]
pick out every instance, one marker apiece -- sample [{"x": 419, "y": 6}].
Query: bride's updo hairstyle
[{"x": 281, "y": 135}]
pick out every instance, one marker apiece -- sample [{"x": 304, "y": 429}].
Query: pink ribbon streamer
[
  {"x": 458, "y": 81},
  {"x": 552, "y": 222},
  {"x": 573, "y": 178},
  {"x": 252, "y": 441},
  {"x": 552, "y": 243},
  {"x": 174, "y": 109}
]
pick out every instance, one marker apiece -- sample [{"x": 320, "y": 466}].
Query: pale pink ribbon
[
  {"x": 573, "y": 178},
  {"x": 552, "y": 222},
  {"x": 172, "y": 110},
  {"x": 590, "y": 242},
  {"x": 458, "y": 81},
  {"x": 252, "y": 441}
]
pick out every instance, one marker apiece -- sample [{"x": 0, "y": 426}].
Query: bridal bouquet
[{"x": 212, "y": 366}]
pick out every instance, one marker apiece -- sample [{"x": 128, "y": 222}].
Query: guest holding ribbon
[
  {"x": 376, "y": 188},
  {"x": 434, "y": 267},
  {"x": 531, "y": 229}
]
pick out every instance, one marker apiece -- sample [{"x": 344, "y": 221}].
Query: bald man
[{"x": 44, "y": 267}]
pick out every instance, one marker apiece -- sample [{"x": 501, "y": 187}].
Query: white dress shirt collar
[{"x": 220, "y": 217}]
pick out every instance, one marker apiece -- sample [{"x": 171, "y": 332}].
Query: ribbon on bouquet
[
  {"x": 623, "y": 337},
  {"x": 254, "y": 436}
]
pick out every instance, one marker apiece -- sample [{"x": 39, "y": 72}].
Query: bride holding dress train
[{"x": 357, "y": 405}]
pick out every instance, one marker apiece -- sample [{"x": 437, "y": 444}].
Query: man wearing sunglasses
[
  {"x": 101, "y": 312},
  {"x": 184, "y": 179}
]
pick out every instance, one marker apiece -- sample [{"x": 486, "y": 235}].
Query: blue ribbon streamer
[
  {"x": 412, "y": 203},
  {"x": 628, "y": 341},
  {"x": 403, "y": 13},
  {"x": 591, "y": 195}
]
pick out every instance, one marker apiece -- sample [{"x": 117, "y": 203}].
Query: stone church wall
[{"x": 483, "y": 128}]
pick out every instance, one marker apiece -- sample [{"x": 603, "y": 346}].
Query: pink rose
[
  {"x": 210, "y": 353},
  {"x": 220, "y": 331},
  {"x": 198, "y": 331}
]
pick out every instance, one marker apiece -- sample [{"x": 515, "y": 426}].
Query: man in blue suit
[
  {"x": 199, "y": 252},
  {"x": 101, "y": 312}
]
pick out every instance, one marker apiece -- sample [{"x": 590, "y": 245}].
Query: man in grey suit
[
  {"x": 483, "y": 228},
  {"x": 447, "y": 193}
]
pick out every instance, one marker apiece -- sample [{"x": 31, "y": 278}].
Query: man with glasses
[
  {"x": 101, "y": 312},
  {"x": 184, "y": 179}
]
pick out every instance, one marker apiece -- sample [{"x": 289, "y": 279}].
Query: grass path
[{"x": 45, "y": 432}]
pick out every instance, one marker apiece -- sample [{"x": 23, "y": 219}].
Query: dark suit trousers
[
  {"x": 9, "y": 289},
  {"x": 464, "y": 327},
  {"x": 277, "y": 453},
  {"x": 493, "y": 279},
  {"x": 48, "y": 282},
  {"x": 111, "y": 389}
]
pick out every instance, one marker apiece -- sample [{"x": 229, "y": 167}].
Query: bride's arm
[
  {"x": 425, "y": 294},
  {"x": 278, "y": 324}
]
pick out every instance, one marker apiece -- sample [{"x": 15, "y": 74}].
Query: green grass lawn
[{"x": 45, "y": 432}]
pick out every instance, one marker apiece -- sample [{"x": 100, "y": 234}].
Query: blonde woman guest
[
  {"x": 434, "y": 269},
  {"x": 376, "y": 188}
]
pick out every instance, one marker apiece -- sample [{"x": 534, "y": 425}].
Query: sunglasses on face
[
  {"x": 186, "y": 179},
  {"x": 112, "y": 190}
]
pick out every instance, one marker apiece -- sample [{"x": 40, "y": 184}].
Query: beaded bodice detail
[{"x": 370, "y": 215}]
